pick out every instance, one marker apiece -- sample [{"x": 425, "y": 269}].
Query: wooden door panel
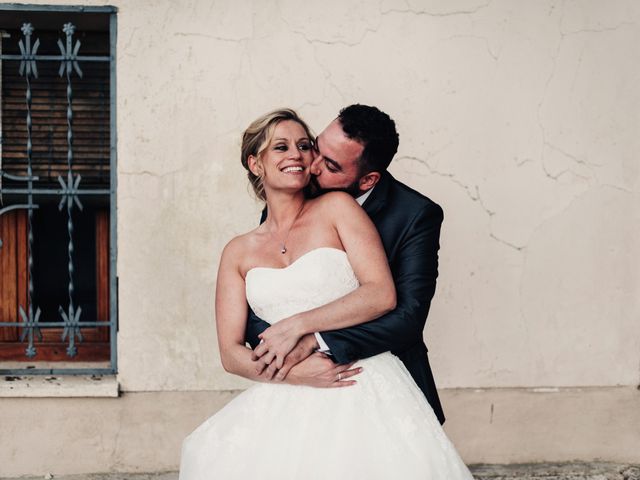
[{"x": 14, "y": 280}]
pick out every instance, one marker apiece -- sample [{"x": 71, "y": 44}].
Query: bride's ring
[{"x": 339, "y": 376}]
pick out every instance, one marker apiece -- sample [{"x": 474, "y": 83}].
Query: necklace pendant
[{"x": 283, "y": 250}]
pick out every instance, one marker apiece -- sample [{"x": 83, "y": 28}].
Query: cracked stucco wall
[{"x": 520, "y": 119}]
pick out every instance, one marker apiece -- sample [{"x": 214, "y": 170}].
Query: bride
[{"x": 313, "y": 265}]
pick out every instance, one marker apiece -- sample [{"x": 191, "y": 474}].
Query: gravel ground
[{"x": 535, "y": 471}]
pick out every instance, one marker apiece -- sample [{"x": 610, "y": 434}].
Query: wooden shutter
[{"x": 91, "y": 125}]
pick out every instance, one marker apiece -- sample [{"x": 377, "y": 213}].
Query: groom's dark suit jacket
[{"x": 409, "y": 225}]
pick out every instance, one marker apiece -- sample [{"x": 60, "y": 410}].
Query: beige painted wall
[
  {"x": 143, "y": 431},
  {"x": 519, "y": 117}
]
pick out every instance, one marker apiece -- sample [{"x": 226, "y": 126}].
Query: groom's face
[{"x": 335, "y": 166}]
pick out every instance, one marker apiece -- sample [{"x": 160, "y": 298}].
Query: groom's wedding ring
[{"x": 339, "y": 376}]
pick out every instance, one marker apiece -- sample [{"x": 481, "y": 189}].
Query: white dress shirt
[{"x": 323, "y": 347}]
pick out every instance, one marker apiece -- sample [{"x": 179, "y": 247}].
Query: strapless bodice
[{"x": 318, "y": 277}]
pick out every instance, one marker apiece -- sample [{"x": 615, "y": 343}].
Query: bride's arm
[
  {"x": 374, "y": 297},
  {"x": 231, "y": 314}
]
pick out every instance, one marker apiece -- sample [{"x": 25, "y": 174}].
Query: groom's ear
[{"x": 368, "y": 181}]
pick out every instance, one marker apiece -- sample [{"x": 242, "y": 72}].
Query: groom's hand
[
  {"x": 266, "y": 365},
  {"x": 303, "y": 350},
  {"x": 319, "y": 371}
]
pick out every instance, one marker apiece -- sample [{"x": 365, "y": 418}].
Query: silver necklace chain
[{"x": 283, "y": 244}]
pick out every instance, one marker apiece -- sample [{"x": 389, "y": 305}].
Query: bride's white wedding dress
[{"x": 381, "y": 428}]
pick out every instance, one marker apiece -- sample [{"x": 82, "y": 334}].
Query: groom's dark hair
[{"x": 376, "y": 131}]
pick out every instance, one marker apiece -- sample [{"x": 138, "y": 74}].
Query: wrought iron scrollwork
[
  {"x": 28, "y": 68},
  {"x": 70, "y": 317},
  {"x": 69, "y": 192}
]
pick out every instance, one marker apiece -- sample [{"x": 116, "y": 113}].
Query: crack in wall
[
  {"x": 545, "y": 141},
  {"x": 620, "y": 189},
  {"x": 314, "y": 41},
  {"x": 553, "y": 177},
  {"x": 152, "y": 174},
  {"x": 116, "y": 459},
  {"x": 518, "y": 248},
  {"x": 554, "y": 59},
  {"x": 383, "y": 12},
  {"x": 129, "y": 42},
  {"x": 571, "y": 156},
  {"x": 345, "y": 43},
  {"x": 472, "y": 192},
  {"x": 327, "y": 77},
  {"x": 238, "y": 76},
  {"x": 598, "y": 30},
  {"x": 451, "y": 13},
  {"x": 575, "y": 74},
  {"x": 520, "y": 163},
  {"x": 487, "y": 44},
  {"x": 212, "y": 37}
]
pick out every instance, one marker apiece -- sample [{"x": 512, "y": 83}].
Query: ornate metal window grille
[{"x": 40, "y": 192}]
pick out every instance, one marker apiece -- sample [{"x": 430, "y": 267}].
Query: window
[{"x": 58, "y": 308}]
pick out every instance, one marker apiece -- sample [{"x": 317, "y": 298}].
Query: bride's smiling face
[{"x": 284, "y": 163}]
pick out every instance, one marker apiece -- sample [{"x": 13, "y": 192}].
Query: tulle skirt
[{"x": 381, "y": 428}]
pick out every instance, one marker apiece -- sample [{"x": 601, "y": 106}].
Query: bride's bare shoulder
[
  {"x": 333, "y": 200},
  {"x": 238, "y": 248},
  {"x": 335, "y": 204}
]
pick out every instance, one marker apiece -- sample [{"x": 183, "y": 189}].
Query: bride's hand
[
  {"x": 277, "y": 341},
  {"x": 320, "y": 372}
]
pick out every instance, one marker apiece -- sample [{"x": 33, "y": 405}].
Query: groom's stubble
[{"x": 313, "y": 189}]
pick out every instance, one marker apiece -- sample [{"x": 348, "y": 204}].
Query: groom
[{"x": 352, "y": 155}]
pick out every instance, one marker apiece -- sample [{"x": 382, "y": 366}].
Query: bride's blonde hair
[{"x": 256, "y": 139}]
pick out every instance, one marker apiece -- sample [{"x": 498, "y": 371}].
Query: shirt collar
[{"x": 362, "y": 198}]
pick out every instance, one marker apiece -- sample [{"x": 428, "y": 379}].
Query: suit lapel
[{"x": 378, "y": 197}]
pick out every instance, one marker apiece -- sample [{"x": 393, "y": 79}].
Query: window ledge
[{"x": 58, "y": 386}]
